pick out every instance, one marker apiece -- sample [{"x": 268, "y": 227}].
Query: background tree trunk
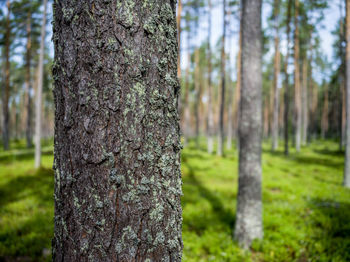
[
  {"x": 28, "y": 81},
  {"x": 6, "y": 93},
  {"x": 249, "y": 205},
  {"x": 38, "y": 102},
  {"x": 117, "y": 142},
  {"x": 347, "y": 79},
  {"x": 186, "y": 105},
  {"x": 286, "y": 85},
  {"x": 179, "y": 30},
  {"x": 324, "y": 121},
  {"x": 305, "y": 107},
  {"x": 198, "y": 88},
  {"x": 297, "y": 79},
  {"x": 210, "y": 142},
  {"x": 237, "y": 96},
  {"x": 276, "y": 78},
  {"x": 220, "y": 150}
]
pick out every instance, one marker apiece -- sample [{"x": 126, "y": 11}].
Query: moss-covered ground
[{"x": 306, "y": 209}]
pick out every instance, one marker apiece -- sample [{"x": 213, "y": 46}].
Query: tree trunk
[
  {"x": 305, "y": 110},
  {"x": 178, "y": 23},
  {"x": 117, "y": 142},
  {"x": 237, "y": 96},
  {"x": 210, "y": 142},
  {"x": 198, "y": 87},
  {"x": 229, "y": 115},
  {"x": 343, "y": 115},
  {"x": 6, "y": 93},
  {"x": 223, "y": 80},
  {"x": 347, "y": 79},
  {"x": 249, "y": 205},
  {"x": 276, "y": 78},
  {"x": 28, "y": 81},
  {"x": 286, "y": 84},
  {"x": 297, "y": 79},
  {"x": 324, "y": 121},
  {"x": 266, "y": 118},
  {"x": 186, "y": 104},
  {"x": 38, "y": 102}
]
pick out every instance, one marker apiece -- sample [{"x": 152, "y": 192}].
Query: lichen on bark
[{"x": 117, "y": 144}]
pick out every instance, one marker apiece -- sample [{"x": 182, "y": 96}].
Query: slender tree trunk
[
  {"x": 230, "y": 97},
  {"x": 178, "y": 23},
  {"x": 187, "y": 116},
  {"x": 38, "y": 103},
  {"x": 179, "y": 31},
  {"x": 324, "y": 119},
  {"x": 305, "y": 110},
  {"x": 6, "y": 93},
  {"x": 117, "y": 142},
  {"x": 249, "y": 205},
  {"x": 286, "y": 84},
  {"x": 347, "y": 68},
  {"x": 220, "y": 150},
  {"x": 237, "y": 95},
  {"x": 210, "y": 142},
  {"x": 229, "y": 125},
  {"x": 297, "y": 79},
  {"x": 314, "y": 104},
  {"x": 28, "y": 81},
  {"x": 343, "y": 115},
  {"x": 276, "y": 78},
  {"x": 198, "y": 87},
  {"x": 266, "y": 118},
  {"x": 229, "y": 116}
]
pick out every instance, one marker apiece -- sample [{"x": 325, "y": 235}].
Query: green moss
[{"x": 306, "y": 208}]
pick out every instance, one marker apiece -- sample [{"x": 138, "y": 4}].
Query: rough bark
[
  {"x": 6, "y": 91},
  {"x": 38, "y": 102},
  {"x": 276, "y": 78},
  {"x": 220, "y": 149},
  {"x": 210, "y": 141},
  {"x": 117, "y": 143},
  {"x": 305, "y": 110},
  {"x": 286, "y": 84},
  {"x": 297, "y": 88},
  {"x": 347, "y": 90},
  {"x": 249, "y": 205}
]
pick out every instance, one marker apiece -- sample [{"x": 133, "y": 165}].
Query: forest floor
[{"x": 306, "y": 209}]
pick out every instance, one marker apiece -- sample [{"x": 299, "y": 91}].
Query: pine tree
[
  {"x": 38, "y": 102},
  {"x": 249, "y": 205},
  {"x": 117, "y": 142}
]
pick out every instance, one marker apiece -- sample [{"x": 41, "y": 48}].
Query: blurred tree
[
  {"x": 28, "y": 27},
  {"x": 297, "y": 88},
  {"x": 210, "y": 140},
  {"x": 220, "y": 148},
  {"x": 38, "y": 103},
  {"x": 286, "y": 83},
  {"x": 6, "y": 91},
  {"x": 276, "y": 10},
  {"x": 249, "y": 205},
  {"x": 347, "y": 79}
]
